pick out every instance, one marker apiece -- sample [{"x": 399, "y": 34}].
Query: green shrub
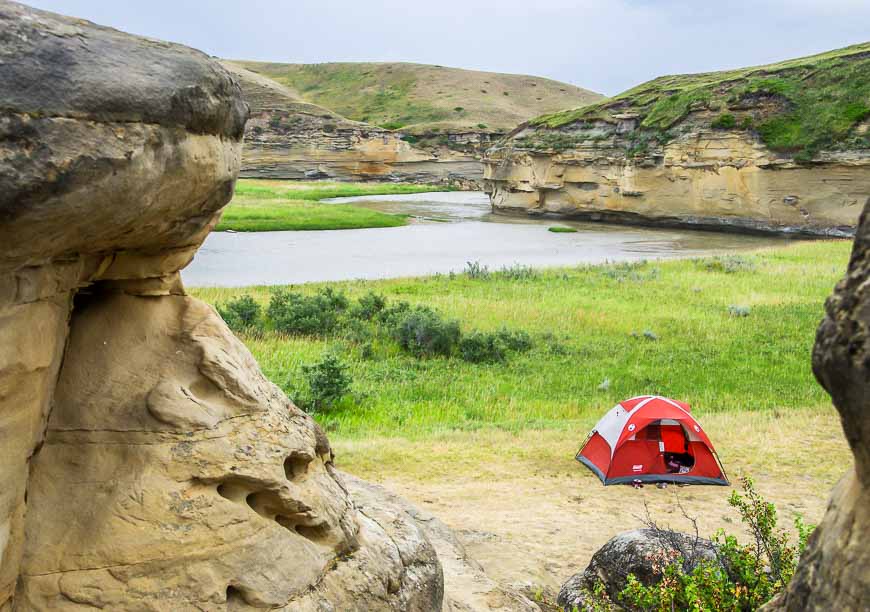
[
  {"x": 423, "y": 332},
  {"x": 241, "y": 314},
  {"x": 482, "y": 347},
  {"x": 516, "y": 340},
  {"x": 328, "y": 381},
  {"x": 742, "y": 578},
  {"x": 482, "y": 126},
  {"x": 369, "y": 306},
  {"x": 725, "y": 121},
  {"x": 458, "y": 109},
  {"x": 561, "y": 229},
  {"x": 295, "y": 313}
]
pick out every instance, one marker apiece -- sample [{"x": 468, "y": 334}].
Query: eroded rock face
[
  {"x": 146, "y": 462},
  {"x": 288, "y": 138},
  {"x": 706, "y": 179},
  {"x": 721, "y": 150},
  {"x": 834, "y": 571}
]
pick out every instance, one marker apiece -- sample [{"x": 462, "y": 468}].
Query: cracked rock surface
[
  {"x": 834, "y": 571},
  {"x": 145, "y": 461}
]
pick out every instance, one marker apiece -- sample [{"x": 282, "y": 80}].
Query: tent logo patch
[{"x": 637, "y": 468}]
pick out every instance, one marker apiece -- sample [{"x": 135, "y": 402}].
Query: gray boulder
[{"x": 632, "y": 552}]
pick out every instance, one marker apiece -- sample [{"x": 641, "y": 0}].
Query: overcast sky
[{"x": 603, "y": 45}]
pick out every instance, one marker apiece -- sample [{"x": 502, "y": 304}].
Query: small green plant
[
  {"x": 482, "y": 347},
  {"x": 741, "y": 578},
  {"x": 369, "y": 306},
  {"x": 561, "y": 229},
  {"x": 241, "y": 314},
  {"x": 739, "y": 311},
  {"x": 518, "y": 272},
  {"x": 328, "y": 381},
  {"x": 476, "y": 270},
  {"x": 422, "y": 332},
  {"x": 725, "y": 121},
  {"x": 295, "y": 313},
  {"x": 458, "y": 109},
  {"x": 482, "y": 126},
  {"x": 493, "y": 347},
  {"x": 729, "y": 264}
]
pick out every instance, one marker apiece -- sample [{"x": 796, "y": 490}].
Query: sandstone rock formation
[
  {"x": 467, "y": 588},
  {"x": 145, "y": 462},
  {"x": 632, "y": 552},
  {"x": 834, "y": 571},
  {"x": 732, "y": 150},
  {"x": 321, "y": 120},
  {"x": 288, "y": 138}
]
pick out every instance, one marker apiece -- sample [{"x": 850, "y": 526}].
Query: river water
[{"x": 450, "y": 229}]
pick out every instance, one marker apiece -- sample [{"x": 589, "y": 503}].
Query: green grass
[
  {"x": 262, "y": 206},
  {"x": 590, "y": 325},
  {"x": 818, "y": 101},
  {"x": 371, "y": 94},
  {"x": 561, "y": 229}
]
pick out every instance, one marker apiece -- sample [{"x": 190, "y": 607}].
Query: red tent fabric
[{"x": 651, "y": 439}]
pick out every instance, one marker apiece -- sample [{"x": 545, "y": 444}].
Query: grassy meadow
[
  {"x": 267, "y": 205},
  {"x": 727, "y": 335}
]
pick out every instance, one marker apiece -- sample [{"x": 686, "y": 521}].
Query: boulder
[
  {"x": 834, "y": 571},
  {"x": 147, "y": 463},
  {"x": 640, "y": 552}
]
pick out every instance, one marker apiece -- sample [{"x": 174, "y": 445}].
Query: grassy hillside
[
  {"x": 418, "y": 98},
  {"x": 798, "y": 106}
]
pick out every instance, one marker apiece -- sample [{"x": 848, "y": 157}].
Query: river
[{"x": 449, "y": 230}]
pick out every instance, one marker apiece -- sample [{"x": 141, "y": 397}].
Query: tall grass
[{"x": 662, "y": 328}]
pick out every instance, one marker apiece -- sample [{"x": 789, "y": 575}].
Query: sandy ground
[{"x": 533, "y": 517}]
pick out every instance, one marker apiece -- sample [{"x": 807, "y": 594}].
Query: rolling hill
[{"x": 419, "y": 98}]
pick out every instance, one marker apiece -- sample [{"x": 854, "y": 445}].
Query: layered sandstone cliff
[
  {"x": 440, "y": 120},
  {"x": 782, "y": 148},
  {"x": 288, "y": 138},
  {"x": 145, "y": 461}
]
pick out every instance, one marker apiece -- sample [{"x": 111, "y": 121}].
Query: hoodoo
[{"x": 146, "y": 461}]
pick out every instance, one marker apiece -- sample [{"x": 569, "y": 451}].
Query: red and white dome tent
[{"x": 651, "y": 439}]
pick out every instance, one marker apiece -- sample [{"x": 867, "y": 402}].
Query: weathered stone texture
[
  {"x": 704, "y": 178},
  {"x": 145, "y": 461},
  {"x": 834, "y": 571}
]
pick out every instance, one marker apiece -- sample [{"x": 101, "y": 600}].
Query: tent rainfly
[{"x": 651, "y": 439}]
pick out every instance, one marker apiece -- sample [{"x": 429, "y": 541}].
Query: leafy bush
[
  {"x": 241, "y": 314},
  {"x": 517, "y": 340},
  {"x": 482, "y": 347},
  {"x": 295, "y": 313},
  {"x": 725, "y": 121},
  {"x": 742, "y": 578},
  {"x": 328, "y": 381},
  {"x": 369, "y": 306},
  {"x": 423, "y": 332}
]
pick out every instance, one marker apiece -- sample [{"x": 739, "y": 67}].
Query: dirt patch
[{"x": 532, "y": 517}]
